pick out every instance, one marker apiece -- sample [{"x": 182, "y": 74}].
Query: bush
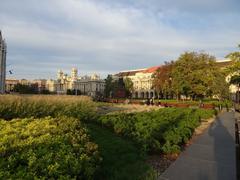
[
  {"x": 42, "y": 106},
  {"x": 164, "y": 130},
  {"x": 46, "y": 148}
]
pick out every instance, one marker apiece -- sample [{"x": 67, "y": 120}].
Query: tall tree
[
  {"x": 235, "y": 57},
  {"x": 235, "y": 80},
  {"x": 193, "y": 74},
  {"x": 128, "y": 84},
  {"x": 109, "y": 86},
  {"x": 162, "y": 79},
  {"x": 219, "y": 86}
]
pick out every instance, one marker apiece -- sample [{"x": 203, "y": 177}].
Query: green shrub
[
  {"x": 165, "y": 130},
  {"x": 46, "y": 148}
]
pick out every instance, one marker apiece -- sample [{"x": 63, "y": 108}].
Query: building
[
  {"x": 86, "y": 85},
  {"x": 10, "y": 84},
  {"x": 142, "y": 81},
  {"x": 3, "y": 55},
  {"x": 40, "y": 84}
]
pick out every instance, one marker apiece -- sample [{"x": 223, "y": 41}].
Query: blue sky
[{"x": 108, "y": 36}]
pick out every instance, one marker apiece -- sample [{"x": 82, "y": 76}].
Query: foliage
[
  {"x": 235, "y": 80},
  {"x": 110, "y": 86},
  {"x": 41, "y": 106},
  {"x": 45, "y": 91},
  {"x": 47, "y": 149},
  {"x": 25, "y": 89},
  {"x": 235, "y": 56},
  {"x": 121, "y": 158},
  {"x": 73, "y": 92},
  {"x": 219, "y": 86},
  {"x": 164, "y": 130},
  {"x": 162, "y": 79},
  {"x": 128, "y": 84},
  {"x": 194, "y": 75}
]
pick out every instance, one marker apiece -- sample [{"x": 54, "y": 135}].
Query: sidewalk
[{"x": 211, "y": 155}]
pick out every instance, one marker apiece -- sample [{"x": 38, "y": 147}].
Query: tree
[
  {"x": 73, "y": 92},
  {"x": 108, "y": 86},
  {"x": 235, "y": 80},
  {"x": 25, "y": 89},
  {"x": 128, "y": 84},
  {"x": 111, "y": 86},
  {"x": 219, "y": 86},
  {"x": 235, "y": 57},
  {"x": 162, "y": 79},
  {"x": 193, "y": 74}
]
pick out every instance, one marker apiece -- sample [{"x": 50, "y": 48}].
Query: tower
[
  {"x": 59, "y": 74},
  {"x": 3, "y": 55},
  {"x": 74, "y": 74}
]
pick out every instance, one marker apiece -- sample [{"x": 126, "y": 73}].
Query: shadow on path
[
  {"x": 211, "y": 156},
  {"x": 224, "y": 147}
]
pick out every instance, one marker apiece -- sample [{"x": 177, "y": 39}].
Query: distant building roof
[
  {"x": 133, "y": 72},
  {"x": 224, "y": 63},
  {"x": 128, "y": 73},
  {"x": 151, "y": 69}
]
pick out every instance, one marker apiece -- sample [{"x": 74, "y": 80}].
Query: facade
[
  {"x": 142, "y": 81},
  {"x": 3, "y": 55},
  {"x": 10, "y": 84},
  {"x": 40, "y": 84},
  {"x": 87, "y": 85}
]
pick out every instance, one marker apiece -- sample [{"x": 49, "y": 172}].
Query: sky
[{"x": 108, "y": 36}]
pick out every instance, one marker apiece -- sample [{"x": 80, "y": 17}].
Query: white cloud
[{"x": 102, "y": 37}]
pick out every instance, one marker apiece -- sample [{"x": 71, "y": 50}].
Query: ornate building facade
[
  {"x": 142, "y": 81},
  {"x": 86, "y": 85},
  {"x": 3, "y": 55}
]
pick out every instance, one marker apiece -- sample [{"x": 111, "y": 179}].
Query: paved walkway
[{"x": 211, "y": 156}]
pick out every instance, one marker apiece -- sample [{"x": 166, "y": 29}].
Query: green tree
[
  {"x": 219, "y": 86},
  {"x": 235, "y": 57},
  {"x": 111, "y": 86},
  {"x": 194, "y": 74},
  {"x": 128, "y": 84},
  {"x": 25, "y": 89},
  {"x": 108, "y": 86},
  {"x": 235, "y": 80}
]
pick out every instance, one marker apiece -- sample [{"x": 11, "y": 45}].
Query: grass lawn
[{"x": 121, "y": 159}]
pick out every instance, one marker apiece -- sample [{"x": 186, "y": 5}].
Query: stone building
[
  {"x": 10, "y": 84},
  {"x": 3, "y": 55},
  {"x": 40, "y": 84},
  {"x": 142, "y": 81},
  {"x": 87, "y": 85}
]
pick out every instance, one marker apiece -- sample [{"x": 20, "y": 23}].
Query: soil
[{"x": 161, "y": 162}]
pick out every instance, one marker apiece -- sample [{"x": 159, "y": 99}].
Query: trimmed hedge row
[
  {"x": 165, "y": 130},
  {"x": 48, "y": 148}
]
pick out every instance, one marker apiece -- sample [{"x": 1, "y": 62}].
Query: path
[{"x": 211, "y": 155}]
